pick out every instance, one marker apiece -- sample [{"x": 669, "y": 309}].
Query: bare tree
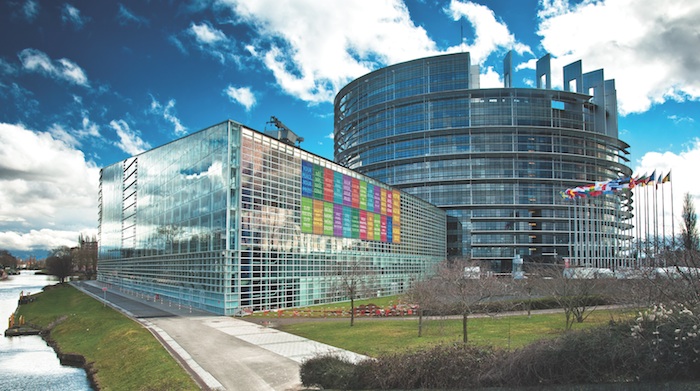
[
  {"x": 460, "y": 286},
  {"x": 679, "y": 281},
  {"x": 356, "y": 279},
  {"x": 574, "y": 293},
  {"x": 424, "y": 294}
]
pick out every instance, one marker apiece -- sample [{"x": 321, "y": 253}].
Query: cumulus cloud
[
  {"x": 168, "y": 113},
  {"x": 72, "y": 16},
  {"x": 34, "y": 60},
  {"x": 490, "y": 79},
  {"x": 313, "y": 48},
  {"x": 649, "y": 47},
  {"x": 490, "y": 34},
  {"x": 243, "y": 96},
  {"x": 126, "y": 16},
  {"x": 130, "y": 141},
  {"x": 683, "y": 167},
  {"x": 44, "y": 183}
]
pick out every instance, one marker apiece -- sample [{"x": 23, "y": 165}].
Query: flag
[
  {"x": 652, "y": 178},
  {"x": 641, "y": 180},
  {"x": 667, "y": 178}
]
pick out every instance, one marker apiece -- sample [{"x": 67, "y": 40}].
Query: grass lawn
[
  {"x": 376, "y": 337},
  {"x": 125, "y": 354},
  {"x": 320, "y": 310}
]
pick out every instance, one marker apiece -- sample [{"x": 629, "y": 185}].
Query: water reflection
[{"x": 28, "y": 363}]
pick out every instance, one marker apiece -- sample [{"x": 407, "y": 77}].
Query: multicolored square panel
[{"x": 338, "y": 205}]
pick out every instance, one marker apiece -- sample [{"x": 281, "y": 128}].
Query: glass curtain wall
[
  {"x": 229, "y": 219},
  {"x": 495, "y": 160}
]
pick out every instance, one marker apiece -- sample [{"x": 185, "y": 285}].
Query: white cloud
[
  {"x": 73, "y": 136},
  {"x": 168, "y": 114},
  {"x": 206, "y": 34},
  {"x": 126, "y": 16},
  {"x": 649, "y": 47},
  {"x": 62, "y": 69},
  {"x": 210, "y": 40},
  {"x": 43, "y": 239},
  {"x": 70, "y": 14},
  {"x": 59, "y": 133},
  {"x": 48, "y": 191},
  {"x": 129, "y": 140},
  {"x": 677, "y": 120},
  {"x": 489, "y": 33},
  {"x": 7, "y": 68},
  {"x": 490, "y": 79},
  {"x": 30, "y": 9},
  {"x": 683, "y": 167},
  {"x": 314, "y": 48},
  {"x": 243, "y": 96}
]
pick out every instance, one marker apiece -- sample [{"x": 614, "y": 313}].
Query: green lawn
[
  {"x": 321, "y": 310},
  {"x": 376, "y": 337},
  {"x": 125, "y": 354}
]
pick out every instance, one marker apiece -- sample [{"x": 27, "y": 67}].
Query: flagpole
[
  {"x": 663, "y": 215},
  {"x": 638, "y": 225},
  {"x": 673, "y": 220},
  {"x": 656, "y": 220},
  {"x": 646, "y": 220}
]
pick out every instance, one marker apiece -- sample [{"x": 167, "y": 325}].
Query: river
[{"x": 28, "y": 363}]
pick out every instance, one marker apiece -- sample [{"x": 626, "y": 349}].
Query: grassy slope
[
  {"x": 125, "y": 355},
  {"x": 378, "y": 337}
]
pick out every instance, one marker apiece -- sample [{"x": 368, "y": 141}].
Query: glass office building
[
  {"x": 497, "y": 159},
  {"x": 229, "y": 219}
]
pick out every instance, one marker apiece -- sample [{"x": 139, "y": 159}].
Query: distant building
[
  {"x": 229, "y": 219},
  {"x": 494, "y": 159}
]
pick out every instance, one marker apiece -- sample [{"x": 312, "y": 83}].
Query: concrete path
[{"x": 221, "y": 353}]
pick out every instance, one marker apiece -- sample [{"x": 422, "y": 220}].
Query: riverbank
[{"x": 117, "y": 352}]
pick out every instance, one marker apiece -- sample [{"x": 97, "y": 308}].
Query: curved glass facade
[
  {"x": 229, "y": 219},
  {"x": 495, "y": 160}
]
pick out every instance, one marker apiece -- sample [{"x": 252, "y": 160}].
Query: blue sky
[{"x": 84, "y": 84}]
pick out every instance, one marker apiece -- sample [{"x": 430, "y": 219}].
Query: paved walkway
[{"x": 220, "y": 352}]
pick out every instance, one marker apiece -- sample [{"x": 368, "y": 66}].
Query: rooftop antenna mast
[{"x": 283, "y": 133}]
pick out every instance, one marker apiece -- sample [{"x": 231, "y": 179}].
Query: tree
[
  {"x": 7, "y": 259},
  {"x": 689, "y": 230},
  {"x": 460, "y": 287},
  {"x": 573, "y": 293},
  {"x": 60, "y": 263},
  {"x": 423, "y": 294},
  {"x": 356, "y": 279},
  {"x": 85, "y": 255}
]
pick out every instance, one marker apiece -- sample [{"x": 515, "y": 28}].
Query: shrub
[
  {"x": 444, "y": 366},
  {"x": 662, "y": 344},
  {"x": 596, "y": 355},
  {"x": 327, "y": 371},
  {"x": 668, "y": 343}
]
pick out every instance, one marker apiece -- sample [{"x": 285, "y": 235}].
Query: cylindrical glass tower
[{"x": 495, "y": 159}]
